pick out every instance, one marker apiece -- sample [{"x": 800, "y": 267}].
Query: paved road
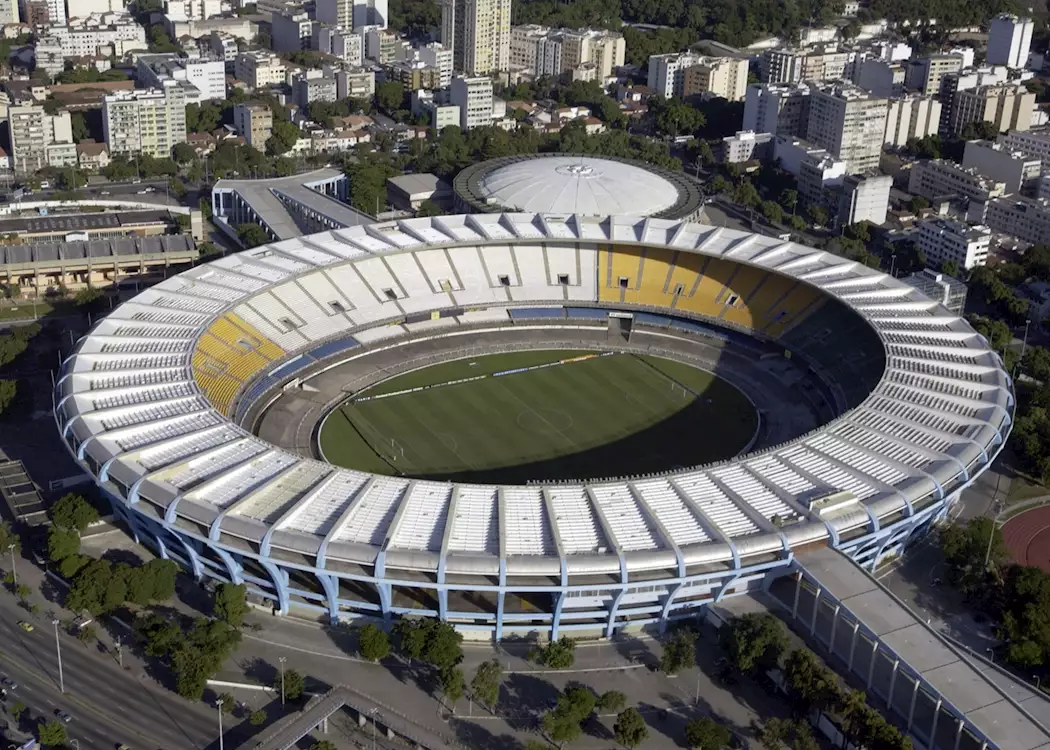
[{"x": 110, "y": 705}]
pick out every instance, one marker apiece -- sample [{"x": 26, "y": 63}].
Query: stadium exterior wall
[{"x": 208, "y": 559}]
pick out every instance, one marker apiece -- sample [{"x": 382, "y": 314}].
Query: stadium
[{"x": 829, "y": 405}]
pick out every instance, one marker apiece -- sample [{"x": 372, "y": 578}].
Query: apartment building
[
  {"x": 86, "y": 37},
  {"x": 413, "y": 74},
  {"x": 745, "y": 146},
  {"x": 291, "y": 33},
  {"x": 780, "y": 65},
  {"x": 1034, "y": 143},
  {"x": 38, "y": 139},
  {"x": 188, "y": 10},
  {"x": 941, "y": 178},
  {"x": 925, "y": 73},
  {"x": 1013, "y": 168},
  {"x": 478, "y": 33},
  {"x": 313, "y": 88},
  {"x": 206, "y": 79},
  {"x": 780, "y": 109},
  {"x": 552, "y": 52},
  {"x": 606, "y": 50},
  {"x": 944, "y": 240},
  {"x": 864, "y": 198},
  {"x": 254, "y": 122},
  {"x": 879, "y": 77},
  {"x": 435, "y": 55},
  {"x": 259, "y": 69},
  {"x": 914, "y": 116},
  {"x": 1006, "y": 106},
  {"x": 145, "y": 121},
  {"x": 964, "y": 80},
  {"x": 850, "y": 123},
  {"x": 439, "y": 114},
  {"x": 473, "y": 96},
  {"x": 819, "y": 173},
  {"x": 687, "y": 74},
  {"x": 355, "y": 15},
  {"x": 1027, "y": 219},
  {"x": 1009, "y": 41},
  {"x": 827, "y": 64},
  {"x": 355, "y": 83}
]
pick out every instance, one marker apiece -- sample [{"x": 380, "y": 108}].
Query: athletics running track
[{"x": 1027, "y": 538}]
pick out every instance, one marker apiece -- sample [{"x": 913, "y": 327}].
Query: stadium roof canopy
[
  {"x": 133, "y": 410},
  {"x": 566, "y": 184}
]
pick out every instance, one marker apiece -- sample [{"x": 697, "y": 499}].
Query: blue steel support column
[
  {"x": 279, "y": 578},
  {"x": 665, "y": 611},
  {"x": 195, "y": 563},
  {"x": 331, "y": 592},
  {"x": 162, "y": 548},
  {"x": 233, "y": 568},
  {"x": 383, "y": 588},
  {"x": 611, "y": 627},
  {"x": 499, "y": 598}
]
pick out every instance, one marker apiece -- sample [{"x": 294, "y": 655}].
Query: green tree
[
  {"x": 612, "y": 701},
  {"x": 23, "y": 592},
  {"x": 390, "y": 96},
  {"x": 183, "y": 152},
  {"x": 811, "y": 685},
  {"x": 62, "y": 543},
  {"x": 257, "y": 718},
  {"x": 563, "y": 722},
  {"x": 294, "y": 685},
  {"x": 97, "y": 588},
  {"x": 80, "y": 128},
  {"x": 950, "y": 268},
  {"x": 373, "y": 643},
  {"x": 283, "y": 138},
  {"x": 161, "y": 636},
  {"x": 817, "y": 214},
  {"x": 773, "y": 733},
  {"x": 72, "y": 511},
  {"x": 452, "y": 684},
  {"x": 718, "y": 185},
  {"x": 51, "y": 733},
  {"x": 9, "y": 539},
  {"x": 486, "y": 682},
  {"x": 789, "y": 200},
  {"x": 252, "y": 235},
  {"x": 559, "y": 654},
  {"x": 322, "y": 745},
  {"x": 229, "y": 703},
  {"x": 965, "y": 548},
  {"x": 430, "y": 640},
  {"x": 772, "y": 211},
  {"x": 673, "y": 117},
  {"x": 8, "y": 393},
  {"x": 90, "y": 299},
  {"x": 429, "y": 208},
  {"x": 753, "y": 642},
  {"x": 17, "y": 710},
  {"x": 1036, "y": 363},
  {"x": 630, "y": 729},
  {"x": 230, "y": 603},
  {"x": 679, "y": 652},
  {"x": 706, "y": 734},
  {"x": 918, "y": 203}
]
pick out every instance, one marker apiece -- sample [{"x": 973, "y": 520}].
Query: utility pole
[
  {"x": 218, "y": 704},
  {"x": 58, "y": 651},
  {"x": 282, "y": 659},
  {"x": 120, "y": 653},
  {"x": 14, "y": 573},
  {"x": 373, "y": 714}
]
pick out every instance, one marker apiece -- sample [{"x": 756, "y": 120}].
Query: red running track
[{"x": 1027, "y": 538}]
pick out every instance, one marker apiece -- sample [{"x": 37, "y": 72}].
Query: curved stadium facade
[{"x": 162, "y": 400}]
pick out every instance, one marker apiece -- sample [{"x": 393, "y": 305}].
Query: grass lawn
[
  {"x": 24, "y": 311},
  {"x": 606, "y": 416}
]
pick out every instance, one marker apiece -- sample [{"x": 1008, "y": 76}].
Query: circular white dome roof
[{"x": 578, "y": 185}]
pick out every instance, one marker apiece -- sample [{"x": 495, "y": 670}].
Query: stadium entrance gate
[{"x": 620, "y": 327}]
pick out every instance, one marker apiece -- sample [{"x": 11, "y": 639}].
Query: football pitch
[{"x": 562, "y": 415}]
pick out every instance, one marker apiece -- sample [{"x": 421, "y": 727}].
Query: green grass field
[{"x": 606, "y": 416}]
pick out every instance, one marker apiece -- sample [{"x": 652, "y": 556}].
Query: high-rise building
[
  {"x": 605, "y": 49},
  {"x": 777, "y": 108},
  {"x": 1006, "y": 106},
  {"x": 353, "y": 14},
  {"x": 478, "y": 33},
  {"x": 864, "y": 198},
  {"x": 850, "y": 123},
  {"x": 941, "y": 178},
  {"x": 8, "y": 12},
  {"x": 944, "y": 240},
  {"x": 38, "y": 139},
  {"x": 258, "y": 69},
  {"x": 145, "y": 121},
  {"x": 914, "y": 116},
  {"x": 686, "y": 74},
  {"x": 291, "y": 33},
  {"x": 995, "y": 160},
  {"x": 254, "y": 122},
  {"x": 1009, "y": 41},
  {"x": 925, "y": 73},
  {"x": 206, "y": 79},
  {"x": 473, "y": 96},
  {"x": 1027, "y": 219},
  {"x": 1035, "y": 143}
]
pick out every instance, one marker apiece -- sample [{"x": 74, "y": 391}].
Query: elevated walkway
[
  {"x": 288, "y": 732},
  {"x": 943, "y": 695}
]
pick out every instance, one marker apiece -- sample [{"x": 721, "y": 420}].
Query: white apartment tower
[
  {"x": 849, "y": 123},
  {"x": 1009, "y": 40},
  {"x": 777, "y": 109},
  {"x": 478, "y": 33},
  {"x": 148, "y": 121},
  {"x": 38, "y": 139},
  {"x": 353, "y": 14},
  {"x": 473, "y": 96}
]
